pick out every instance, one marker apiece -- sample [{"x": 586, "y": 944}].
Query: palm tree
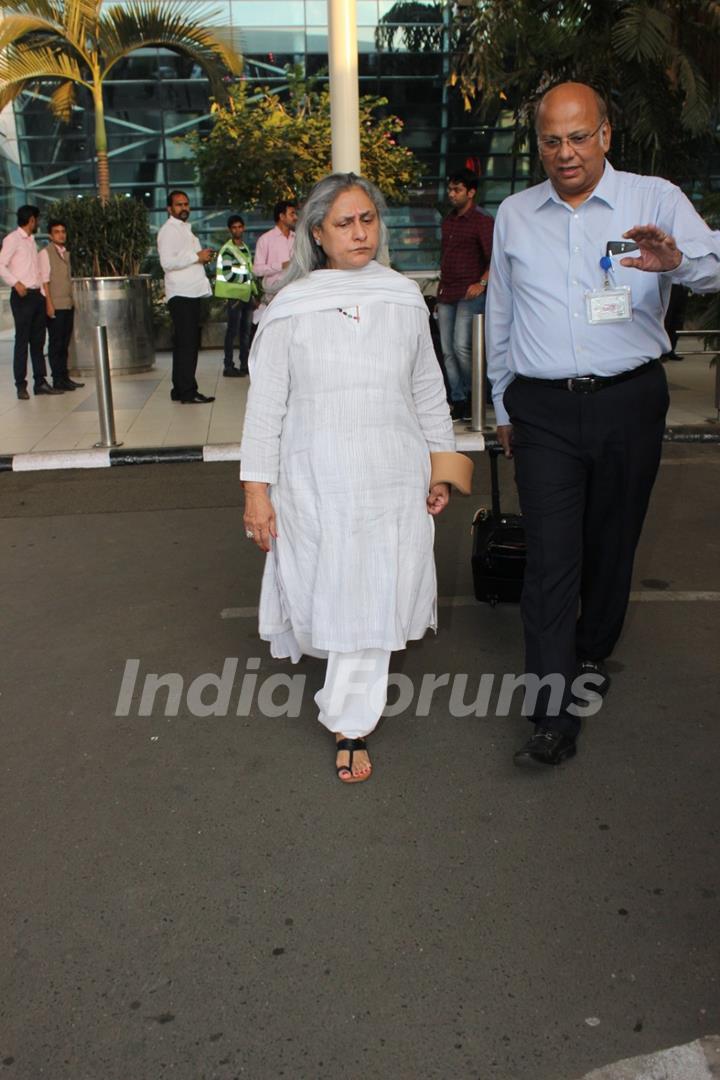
[
  {"x": 656, "y": 61},
  {"x": 78, "y": 43}
]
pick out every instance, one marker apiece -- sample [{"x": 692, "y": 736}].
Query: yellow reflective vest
[{"x": 234, "y": 278}]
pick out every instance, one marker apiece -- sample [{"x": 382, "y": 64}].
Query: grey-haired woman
[{"x": 345, "y": 407}]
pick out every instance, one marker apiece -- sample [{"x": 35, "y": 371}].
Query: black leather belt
[{"x": 589, "y": 384}]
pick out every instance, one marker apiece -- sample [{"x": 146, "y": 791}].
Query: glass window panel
[
  {"x": 502, "y": 166},
  {"x": 40, "y": 122},
  {"x": 122, "y": 137},
  {"x": 127, "y": 171},
  {"x": 368, "y": 65},
  {"x": 142, "y": 64},
  {"x": 269, "y": 42},
  {"x": 426, "y": 139},
  {"x": 176, "y": 149},
  {"x": 406, "y": 93},
  {"x": 184, "y": 97},
  {"x": 317, "y": 41},
  {"x": 78, "y": 174},
  {"x": 403, "y": 63},
  {"x": 180, "y": 172},
  {"x": 316, "y": 63},
  {"x": 316, "y": 12},
  {"x": 367, "y": 13},
  {"x": 419, "y": 38},
  {"x": 268, "y": 13},
  {"x": 366, "y": 39}
]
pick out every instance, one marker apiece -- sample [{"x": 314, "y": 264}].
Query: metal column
[
  {"x": 478, "y": 421},
  {"x": 104, "y": 388},
  {"x": 344, "y": 94}
]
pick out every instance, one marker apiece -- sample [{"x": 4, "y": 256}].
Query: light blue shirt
[{"x": 546, "y": 256}]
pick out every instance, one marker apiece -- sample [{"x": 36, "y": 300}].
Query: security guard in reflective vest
[{"x": 236, "y": 283}]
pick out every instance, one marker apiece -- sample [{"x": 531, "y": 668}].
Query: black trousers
[
  {"x": 185, "y": 313},
  {"x": 239, "y": 327},
  {"x": 29, "y": 315},
  {"x": 59, "y": 336},
  {"x": 675, "y": 314},
  {"x": 585, "y": 465}
]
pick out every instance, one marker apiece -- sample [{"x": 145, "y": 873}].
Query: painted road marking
[{"x": 641, "y": 596}]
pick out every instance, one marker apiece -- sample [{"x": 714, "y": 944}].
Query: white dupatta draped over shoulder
[
  {"x": 342, "y": 415},
  {"x": 328, "y": 290}
]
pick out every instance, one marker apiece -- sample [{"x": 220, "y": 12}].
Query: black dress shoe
[
  {"x": 174, "y": 396},
  {"x": 232, "y": 372},
  {"x": 461, "y": 410},
  {"x": 545, "y": 747},
  {"x": 599, "y": 685},
  {"x": 22, "y": 393},
  {"x": 44, "y": 387},
  {"x": 67, "y": 384},
  {"x": 244, "y": 370},
  {"x": 196, "y": 399}
]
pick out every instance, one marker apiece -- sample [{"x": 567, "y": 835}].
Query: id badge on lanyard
[{"x": 610, "y": 304}]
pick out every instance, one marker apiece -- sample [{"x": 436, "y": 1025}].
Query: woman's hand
[
  {"x": 438, "y": 498},
  {"x": 259, "y": 516}
]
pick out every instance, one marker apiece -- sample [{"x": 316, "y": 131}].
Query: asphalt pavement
[{"x": 192, "y": 894}]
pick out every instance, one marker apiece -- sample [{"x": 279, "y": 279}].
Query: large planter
[
  {"x": 213, "y": 335},
  {"x": 124, "y": 306}
]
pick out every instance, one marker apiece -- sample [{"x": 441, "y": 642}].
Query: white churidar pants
[{"x": 355, "y": 691}]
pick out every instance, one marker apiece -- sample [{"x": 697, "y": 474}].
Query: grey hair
[{"x": 307, "y": 254}]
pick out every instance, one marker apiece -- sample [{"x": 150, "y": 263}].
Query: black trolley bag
[{"x": 499, "y": 549}]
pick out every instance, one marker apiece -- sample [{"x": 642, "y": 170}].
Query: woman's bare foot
[{"x": 352, "y": 760}]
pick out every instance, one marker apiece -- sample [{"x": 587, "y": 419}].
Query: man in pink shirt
[
  {"x": 274, "y": 248},
  {"x": 20, "y": 269}
]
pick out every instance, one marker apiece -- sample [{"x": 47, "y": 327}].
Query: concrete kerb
[
  {"x": 699, "y": 1060},
  {"x": 105, "y": 458}
]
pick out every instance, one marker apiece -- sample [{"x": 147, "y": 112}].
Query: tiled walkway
[
  {"x": 146, "y": 417},
  {"x": 144, "y": 413}
]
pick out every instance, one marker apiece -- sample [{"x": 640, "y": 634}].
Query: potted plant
[{"x": 108, "y": 242}]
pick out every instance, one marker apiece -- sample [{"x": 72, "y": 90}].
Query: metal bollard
[
  {"x": 478, "y": 421},
  {"x": 104, "y": 389}
]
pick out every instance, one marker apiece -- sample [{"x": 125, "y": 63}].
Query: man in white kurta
[{"x": 346, "y": 403}]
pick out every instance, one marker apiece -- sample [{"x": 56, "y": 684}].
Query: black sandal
[{"x": 351, "y": 745}]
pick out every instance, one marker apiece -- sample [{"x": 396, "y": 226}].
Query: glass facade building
[{"x": 155, "y": 96}]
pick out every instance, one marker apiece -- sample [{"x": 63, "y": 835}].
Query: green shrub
[{"x": 106, "y": 239}]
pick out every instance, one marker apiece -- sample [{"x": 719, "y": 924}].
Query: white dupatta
[{"x": 325, "y": 290}]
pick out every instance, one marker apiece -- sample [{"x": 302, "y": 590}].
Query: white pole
[{"x": 344, "y": 97}]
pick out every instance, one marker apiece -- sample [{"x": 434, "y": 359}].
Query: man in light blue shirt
[{"x": 575, "y": 330}]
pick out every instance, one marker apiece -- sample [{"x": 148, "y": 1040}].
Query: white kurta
[{"x": 341, "y": 416}]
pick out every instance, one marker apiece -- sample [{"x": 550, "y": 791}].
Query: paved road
[{"x": 198, "y": 897}]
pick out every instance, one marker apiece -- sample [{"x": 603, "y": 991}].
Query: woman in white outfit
[{"x": 345, "y": 407}]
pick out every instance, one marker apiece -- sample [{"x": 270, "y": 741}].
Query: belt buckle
[{"x": 583, "y": 384}]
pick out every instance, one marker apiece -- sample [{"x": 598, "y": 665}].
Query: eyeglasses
[{"x": 551, "y": 143}]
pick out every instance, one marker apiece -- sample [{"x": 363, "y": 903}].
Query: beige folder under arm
[{"x": 449, "y": 467}]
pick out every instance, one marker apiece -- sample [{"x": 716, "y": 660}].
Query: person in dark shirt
[
  {"x": 675, "y": 320},
  {"x": 466, "y": 249}
]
